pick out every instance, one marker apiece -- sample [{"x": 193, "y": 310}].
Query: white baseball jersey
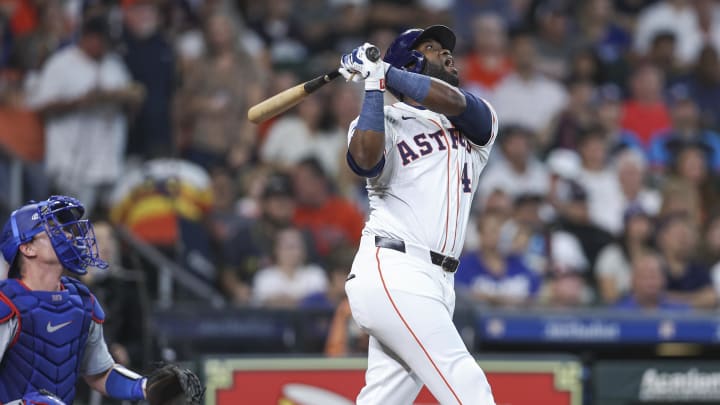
[{"x": 424, "y": 194}]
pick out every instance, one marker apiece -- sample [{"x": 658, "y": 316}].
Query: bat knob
[{"x": 373, "y": 53}]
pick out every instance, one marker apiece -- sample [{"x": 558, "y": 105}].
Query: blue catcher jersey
[{"x": 49, "y": 342}]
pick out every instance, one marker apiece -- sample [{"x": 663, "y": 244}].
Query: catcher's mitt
[{"x": 172, "y": 385}]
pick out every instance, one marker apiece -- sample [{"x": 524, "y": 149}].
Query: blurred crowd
[{"x": 601, "y": 190}]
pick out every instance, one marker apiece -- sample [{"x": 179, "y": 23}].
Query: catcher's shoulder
[{"x": 7, "y": 308}]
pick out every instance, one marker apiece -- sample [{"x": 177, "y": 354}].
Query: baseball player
[
  {"x": 422, "y": 157},
  {"x": 51, "y": 325}
]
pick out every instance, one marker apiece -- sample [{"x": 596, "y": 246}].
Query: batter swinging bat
[{"x": 287, "y": 99}]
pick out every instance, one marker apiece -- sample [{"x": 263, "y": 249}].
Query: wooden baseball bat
[{"x": 287, "y": 99}]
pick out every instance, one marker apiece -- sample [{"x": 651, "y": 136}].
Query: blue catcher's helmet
[
  {"x": 43, "y": 397},
  {"x": 402, "y": 54},
  {"x": 72, "y": 237}
]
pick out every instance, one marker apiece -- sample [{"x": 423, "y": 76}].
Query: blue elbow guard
[{"x": 124, "y": 384}]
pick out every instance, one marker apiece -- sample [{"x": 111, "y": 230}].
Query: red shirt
[
  {"x": 474, "y": 71},
  {"x": 645, "y": 119},
  {"x": 336, "y": 222}
]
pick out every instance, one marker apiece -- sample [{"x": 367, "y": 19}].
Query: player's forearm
[
  {"x": 368, "y": 142},
  {"x": 434, "y": 94}
]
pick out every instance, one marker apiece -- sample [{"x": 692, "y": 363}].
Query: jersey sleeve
[
  {"x": 97, "y": 358},
  {"x": 479, "y": 121}
]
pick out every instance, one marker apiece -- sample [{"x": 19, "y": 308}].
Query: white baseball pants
[{"x": 406, "y": 303}]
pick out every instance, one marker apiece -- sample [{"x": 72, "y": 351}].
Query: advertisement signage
[
  {"x": 651, "y": 382},
  {"x": 326, "y": 381}
]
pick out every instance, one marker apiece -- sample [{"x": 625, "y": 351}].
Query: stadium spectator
[
  {"x": 486, "y": 62},
  {"x": 688, "y": 280},
  {"x": 600, "y": 181},
  {"x": 294, "y": 137},
  {"x": 607, "y": 105},
  {"x": 648, "y": 290},
  {"x": 680, "y": 196},
  {"x": 280, "y": 31},
  {"x": 290, "y": 278},
  {"x": 574, "y": 218},
  {"x": 52, "y": 33},
  {"x": 566, "y": 279},
  {"x": 675, "y": 16},
  {"x": 690, "y": 163},
  {"x": 613, "y": 266},
  {"x": 332, "y": 220},
  {"x": 488, "y": 275},
  {"x": 212, "y": 128},
  {"x": 553, "y": 44},
  {"x": 151, "y": 62},
  {"x": 525, "y": 96},
  {"x": 250, "y": 247},
  {"x": 704, "y": 86},
  {"x": 84, "y": 93},
  {"x": 518, "y": 171},
  {"x": 600, "y": 31},
  {"x": 645, "y": 112},
  {"x": 526, "y": 234},
  {"x": 632, "y": 175},
  {"x": 573, "y": 119},
  {"x": 686, "y": 127},
  {"x": 337, "y": 266}
]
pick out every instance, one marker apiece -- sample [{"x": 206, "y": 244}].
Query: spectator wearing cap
[
  {"x": 527, "y": 97},
  {"x": 84, "y": 93},
  {"x": 519, "y": 171},
  {"x": 151, "y": 61},
  {"x": 605, "y": 198},
  {"x": 491, "y": 276},
  {"x": 526, "y": 232},
  {"x": 687, "y": 280},
  {"x": 607, "y": 105},
  {"x": 613, "y": 267},
  {"x": 686, "y": 128},
  {"x": 648, "y": 287},
  {"x": 249, "y": 248},
  {"x": 645, "y": 112},
  {"x": 566, "y": 279},
  {"x": 574, "y": 219}
]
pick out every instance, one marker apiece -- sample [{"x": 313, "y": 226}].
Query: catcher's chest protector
[{"x": 52, "y": 330}]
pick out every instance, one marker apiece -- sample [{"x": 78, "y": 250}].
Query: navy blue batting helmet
[{"x": 402, "y": 54}]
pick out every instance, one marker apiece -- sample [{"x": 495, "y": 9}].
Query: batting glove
[{"x": 356, "y": 66}]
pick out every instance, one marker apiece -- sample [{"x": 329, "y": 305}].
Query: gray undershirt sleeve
[
  {"x": 97, "y": 358},
  {"x": 7, "y": 333}
]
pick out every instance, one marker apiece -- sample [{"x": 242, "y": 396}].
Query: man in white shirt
[{"x": 83, "y": 93}]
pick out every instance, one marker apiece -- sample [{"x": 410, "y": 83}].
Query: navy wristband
[
  {"x": 413, "y": 85},
  {"x": 372, "y": 115},
  {"x": 124, "y": 384}
]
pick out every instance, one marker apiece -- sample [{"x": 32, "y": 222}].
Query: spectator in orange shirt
[
  {"x": 645, "y": 113},
  {"x": 332, "y": 219},
  {"x": 487, "y": 63}
]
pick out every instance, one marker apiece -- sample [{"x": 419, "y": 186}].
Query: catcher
[{"x": 51, "y": 325}]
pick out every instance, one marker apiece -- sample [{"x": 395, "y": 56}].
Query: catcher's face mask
[{"x": 72, "y": 237}]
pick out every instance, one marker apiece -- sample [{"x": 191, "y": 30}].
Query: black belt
[{"x": 449, "y": 264}]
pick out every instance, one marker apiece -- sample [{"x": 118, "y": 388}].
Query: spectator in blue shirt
[
  {"x": 686, "y": 128},
  {"x": 687, "y": 280},
  {"x": 489, "y": 275},
  {"x": 648, "y": 291}
]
